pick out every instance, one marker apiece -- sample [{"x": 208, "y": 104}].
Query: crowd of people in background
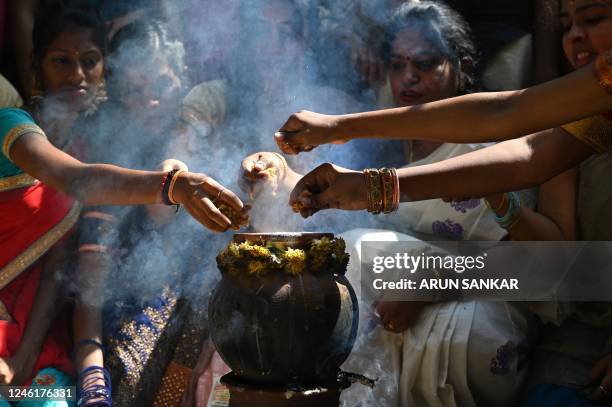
[{"x": 113, "y": 114}]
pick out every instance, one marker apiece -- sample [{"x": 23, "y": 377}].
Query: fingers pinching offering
[
  {"x": 227, "y": 204},
  {"x": 210, "y": 203},
  {"x": 262, "y": 170},
  {"x": 286, "y": 142}
]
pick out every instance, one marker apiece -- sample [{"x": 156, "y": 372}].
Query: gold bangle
[
  {"x": 386, "y": 176},
  {"x": 374, "y": 190},
  {"x": 171, "y": 189},
  {"x": 376, "y": 193},
  {"x": 396, "y": 190}
]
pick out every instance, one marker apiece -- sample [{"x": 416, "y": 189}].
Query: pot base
[{"x": 244, "y": 394}]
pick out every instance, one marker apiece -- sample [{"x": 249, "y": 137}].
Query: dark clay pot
[{"x": 278, "y": 328}]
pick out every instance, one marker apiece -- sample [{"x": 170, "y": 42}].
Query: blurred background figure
[{"x": 518, "y": 41}]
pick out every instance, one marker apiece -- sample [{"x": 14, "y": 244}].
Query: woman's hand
[
  {"x": 306, "y": 130},
  {"x": 601, "y": 374},
  {"x": 266, "y": 170},
  {"x": 205, "y": 199},
  {"x": 329, "y": 187},
  {"x": 397, "y": 316},
  {"x": 260, "y": 171}
]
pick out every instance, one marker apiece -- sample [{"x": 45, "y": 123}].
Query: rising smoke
[
  {"x": 269, "y": 59},
  {"x": 262, "y": 60}
]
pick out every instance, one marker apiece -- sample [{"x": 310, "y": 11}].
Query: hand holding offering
[
  {"x": 238, "y": 219},
  {"x": 261, "y": 168},
  {"x": 202, "y": 196},
  {"x": 306, "y": 130},
  {"x": 329, "y": 186},
  {"x": 266, "y": 170}
]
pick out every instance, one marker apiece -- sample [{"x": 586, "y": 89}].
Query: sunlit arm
[
  {"x": 482, "y": 117},
  {"x": 92, "y": 184},
  {"x": 508, "y": 166}
]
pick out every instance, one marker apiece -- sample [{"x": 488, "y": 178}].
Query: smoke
[
  {"x": 262, "y": 61},
  {"x": 269, "y": 59}
]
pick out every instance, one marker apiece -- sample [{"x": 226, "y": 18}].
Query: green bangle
[{"x": 511, "y": 215}]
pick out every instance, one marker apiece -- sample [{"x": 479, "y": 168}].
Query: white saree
[{"x": 458, "y": 353}]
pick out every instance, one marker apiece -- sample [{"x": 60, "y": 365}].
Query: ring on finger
[{"x": 389, "y": 326}]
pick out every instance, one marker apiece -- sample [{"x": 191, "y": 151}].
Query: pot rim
[{"x": 294, "y": 239}]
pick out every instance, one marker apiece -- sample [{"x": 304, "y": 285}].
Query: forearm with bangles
[{"x": 525, "y": 224}]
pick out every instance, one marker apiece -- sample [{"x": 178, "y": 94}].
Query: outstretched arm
[
  {"x": 102, "y": 184},
  {"x": 477, "y": 117},
  {"x": 508, "y": 166}
]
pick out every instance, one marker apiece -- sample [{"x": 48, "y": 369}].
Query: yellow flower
[
  {"x": 294, "y": 261},
  {"x": 323, "y": 255},
  {"x": 258, "y": 267},
  {"x": 248, "y": 250}
]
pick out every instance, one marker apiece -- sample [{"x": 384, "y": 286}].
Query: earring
[
  {"x": 100, "y": 97},
  {"x": 101, "y": 94}
]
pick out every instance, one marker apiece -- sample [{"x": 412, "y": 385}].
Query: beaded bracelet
[{"x": 510, "y": 218}]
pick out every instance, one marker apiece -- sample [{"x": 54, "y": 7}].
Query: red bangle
[{"x": 161, "y": 188}]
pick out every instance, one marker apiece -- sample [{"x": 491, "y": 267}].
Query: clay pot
[{"x": 279, "y": 328}]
